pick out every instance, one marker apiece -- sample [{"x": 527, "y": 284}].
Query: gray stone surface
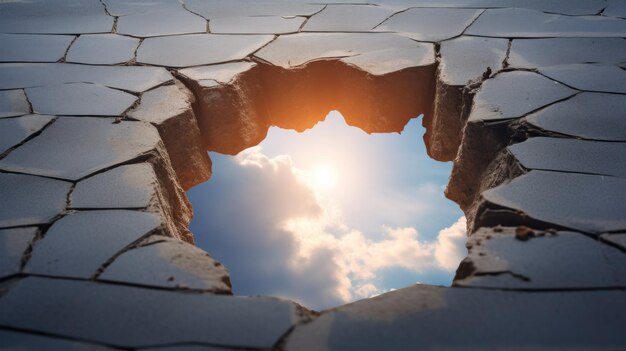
[
  {"x": 134, "y": 79},
  {"x": 75, "y": 147},
  {"x": 79, "y": 99},
  {"x": 13, "y": 103},
  {"x": 222, "y": 74},
  {"x": 169, "y": 263},
  {"x": 348, "y": 18},
  {"x": 54, "y": 17},
  {"x": 136, "y": 317},
  {"x": 33, "y": 48},
  {"x": 375, "y": 53},
  {"x": 589, "y": 77},
  {"x": 129, "y": 186},
  {"x": 615, "y": 239},
  {"x": 14, "y": 130},
  {"x": 466, "y": 59},
  {"x": 107, "y": 49},
  {"x": 124, "y": 7},
  {"x": 572, "y": 155},
  {"x": 436, "y": 318},
  {"x": 615, "y": 8},
  {"x": 29, "y": 200},
  {"x": 588, "y": 203},
  {"x": 256, "y": 25},
  {"x": 78, "y": 244},
  {"x": 251, "y": 8},
  {"x": 539, "y": 260},
  {"x": 430, "y": 24},
  {"x": 161, "y": 22},
  {"x": 199, "y": 49},
  {"x": 586, "y": 115},
  {"x": 534, "y": 53},
  {"x": 514, "y": 94},
  {"x": 523, "y": 23},
  {"x": 22, "y": 341},
  {"x": 13, "y": 245}
]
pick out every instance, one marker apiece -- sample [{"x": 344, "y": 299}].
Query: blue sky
[{"x": 330, "y": 215}]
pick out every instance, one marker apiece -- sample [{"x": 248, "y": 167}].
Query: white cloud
[{"x": 295, "y": 244}]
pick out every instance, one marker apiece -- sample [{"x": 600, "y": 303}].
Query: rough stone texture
[
  {"x": 166, "y": 262},
  {"x": 526, "y": 97}
]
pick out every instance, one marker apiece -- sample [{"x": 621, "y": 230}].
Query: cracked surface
[{"x": 107, "y": 109}]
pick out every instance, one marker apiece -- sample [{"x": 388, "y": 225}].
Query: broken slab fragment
[
  {"x": 102, "y": 49},
  {"x": 523, "y": 258},
  {"x": 75, "y": 99},
  {"x": 30, "y": 200},
  {"x": 15, "y": 130},
  {"x": 199, "y": 49},
  {"x": 133, "y": 79},
  {"x": 514, "y": 94},
  {"x": 57, "y": 17},
  {"x": 13, "y": 245},
  {"x": 169, "y": 109},
  {"x": 13, "y": 103},
  {"x": 169, "y": 263},
  {"x": 33, "y": 48},
  {"x": 430, "y": 24},
  {"x": 588, "y": 203},
  {"x": 523, "y": 23},
  {"x": 79, "y": 244},
  {"x": 152, "y": 23},
  {"x": 75, "y": 147},
  {"x": 348, "y": 18},
  {"x": 435, "y": 318},
  {"x": 256, "y": 25},
  {"x": 594, "y": 116},
  {"x": 572, "y": 155},
  {"x": 133, "y": 317},
  {"x": 463, "y": 64},
  {"x": 14, "y": 340},
  {"x": 543, "y": 52},
  {"x": 589, "y": 77}
]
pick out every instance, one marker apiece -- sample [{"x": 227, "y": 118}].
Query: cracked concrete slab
[
  {"x": 13, "y": 131},
  {"x": 615, "y": 8},
  {"x": 102, "y": 49},
  {"x": 13, "y": 245},
  {"x": 80, "y": 243},
  {"x": 256, "y": 25},
  {"x": 14, "y": 340},
  {"x": 523, "y": 258},
  {"x": 589, "y": 77},
  {"x": 161, "y": 22},
  {"x": 13, "y": 103},
  {"x": 348, "y": 18},
  {"x": 33, "y": 48},
  {"x": 251, "y": 8},
  {"x": 29, "y": 200}
]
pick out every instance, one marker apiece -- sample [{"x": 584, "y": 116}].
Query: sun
[{"x": 324, "y": 176}]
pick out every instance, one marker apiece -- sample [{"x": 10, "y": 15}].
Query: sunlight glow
[{"x": 325, "y": 176}]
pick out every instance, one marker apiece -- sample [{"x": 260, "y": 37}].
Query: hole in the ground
[{"x": 330, "y": 215}]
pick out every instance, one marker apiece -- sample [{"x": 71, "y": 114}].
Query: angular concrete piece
[
  {"x": 162, "y": 22},
  {"x": 586, "y": 115},
  {"x": 79, "y": 99},
  {"x": 523, "y": 23},
  {"x": 33, "y": 48},
  {"x": 222, "y": 74},
  {"x": 102, "y": 49},
  {"x": 374, "y": 53},
  {"x": 256, "y": 25},
  {"x": 169, "y": 263},
  {"x": 251, "y": 8},
  {"x": 54, "y": 17},
  {"x": 13, "y": 340},
  {"x": 435, "y": 318},
  {"x": 78, "y": 244},
  {"x": 75, "y": 147},
  {"x": 129, "y": 186},
  {"x": 135, "y": 79},
  {"x": 588, "y": 203},
  {"x": 572, "y": 155},
  {"x": 589, "y": 77},
  {"x": 348, "y": 18},
  {"x": 430, "y": 24},
  {"x": 13, "y": 103},
  {"x": 560, "y": 260},
  {"x": 199, "y": 49},
  {"x": 13, "y": 245},
  {"x": 29, "y": 200},
  {"x": 135, "y": 317},
  {"x": 466, "y": 59},
  {"x": 535, "y": 53},
  {"x": 514, "y": 94},
  {"x": 14, "y": 130}
]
